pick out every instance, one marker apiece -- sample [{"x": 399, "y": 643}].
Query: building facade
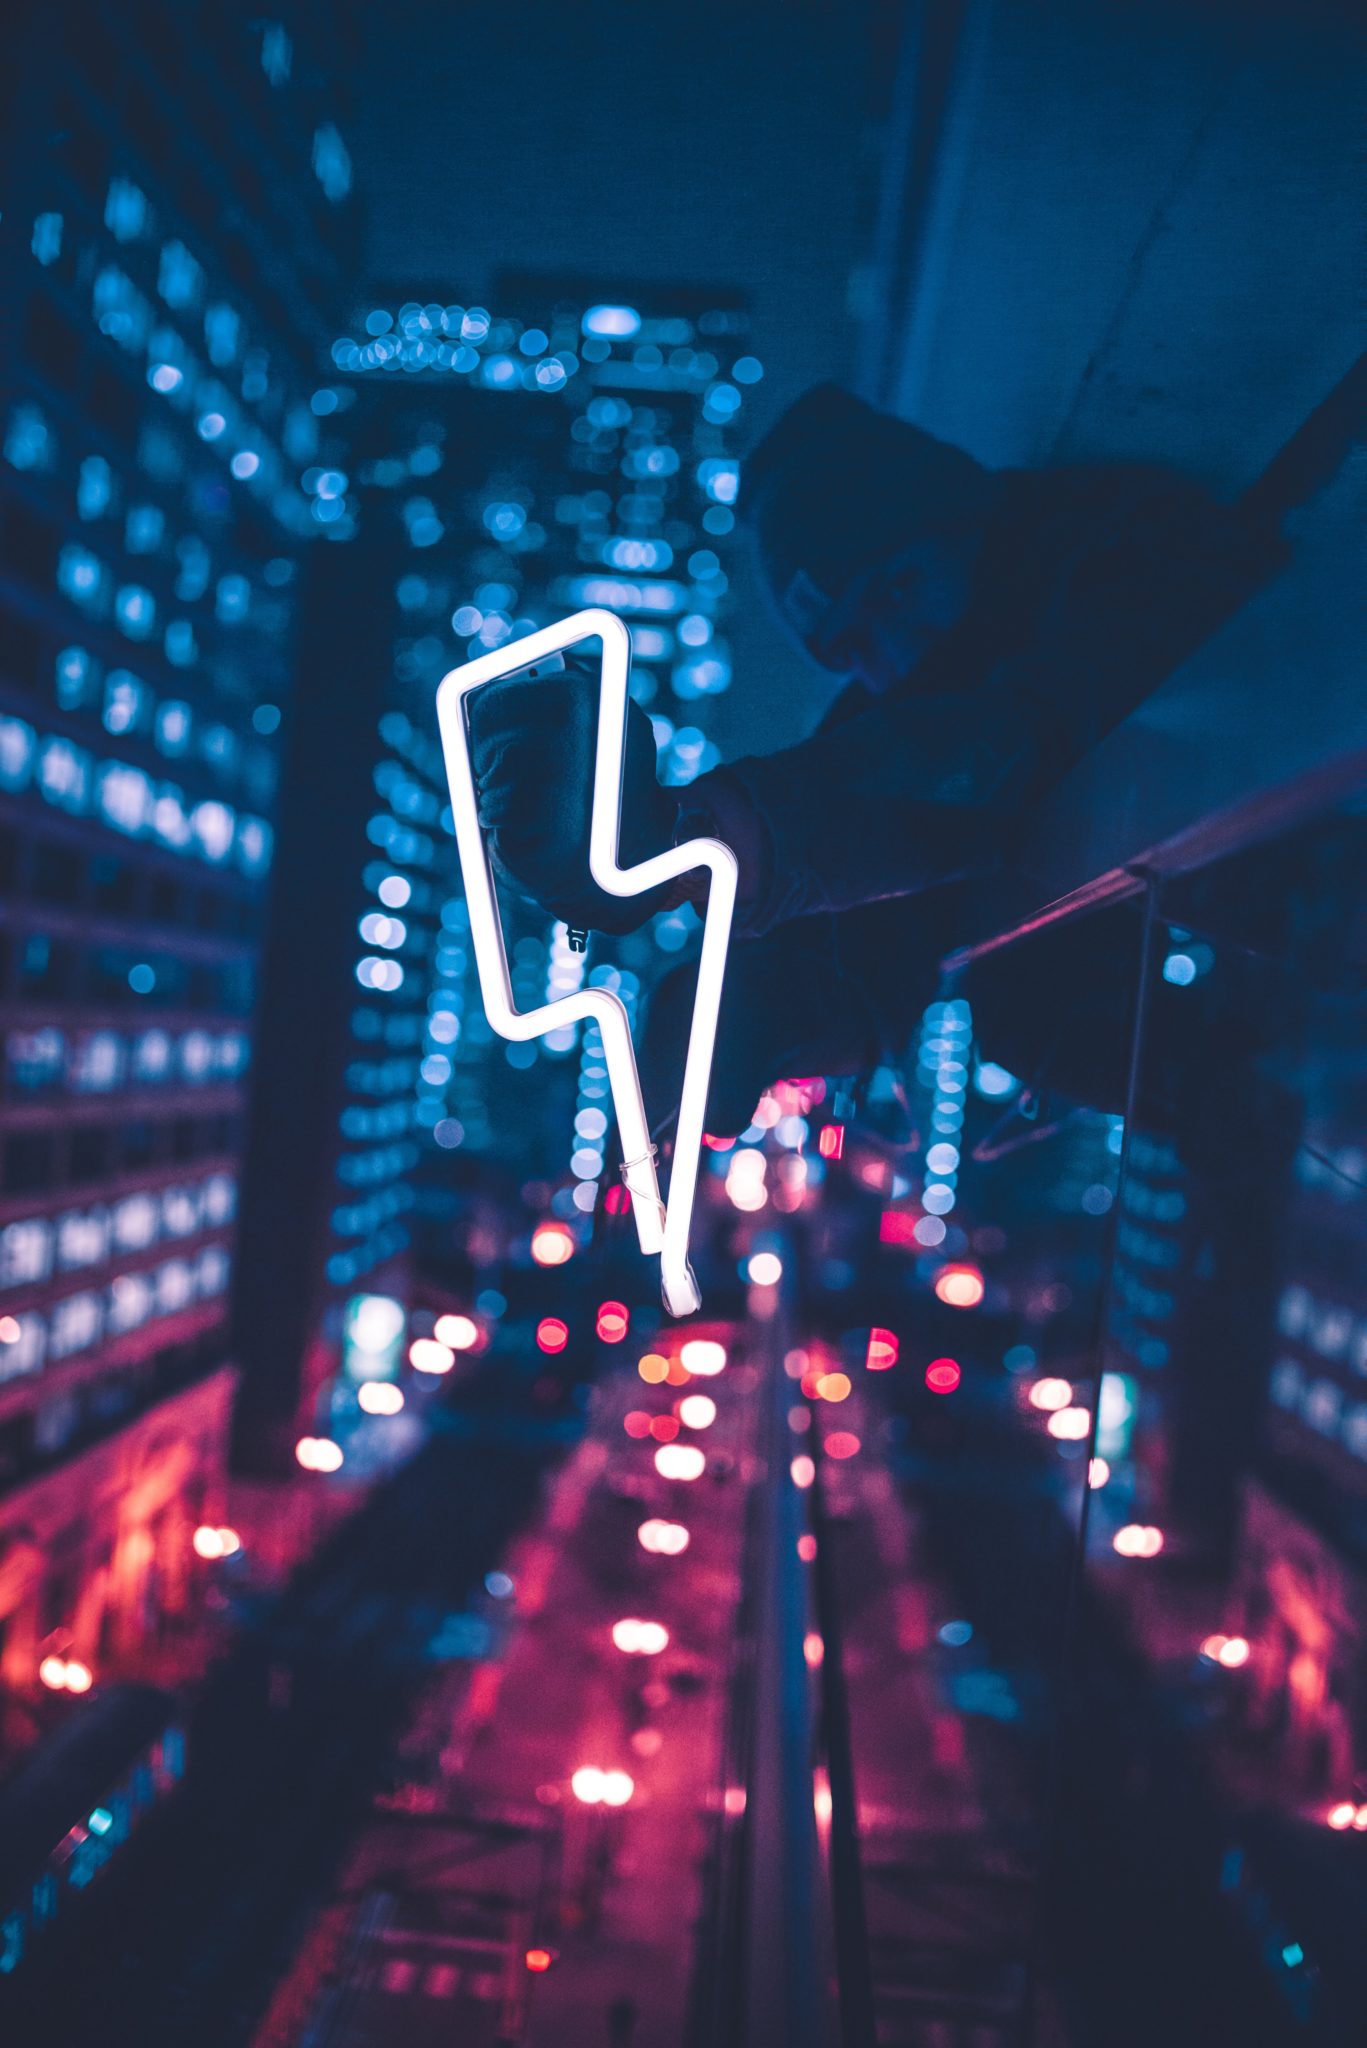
[
  {"x": 572, "y": 446},
  {"x": 176, "y": 224}
]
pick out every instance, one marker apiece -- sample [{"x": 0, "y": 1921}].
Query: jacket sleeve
[
  {"x": 1129, "y": 570},
  {"x": 902, "y": 797}
]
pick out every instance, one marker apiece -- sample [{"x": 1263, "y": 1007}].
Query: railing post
[{"x": 789, "y": 2003}]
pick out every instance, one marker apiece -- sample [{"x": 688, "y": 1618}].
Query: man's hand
[
  {"x": 532, "y": 748},
  {"x": 786, "y": 1009}
]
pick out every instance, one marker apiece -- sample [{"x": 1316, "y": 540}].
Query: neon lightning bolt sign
[{"x": 661, "y": 1226}]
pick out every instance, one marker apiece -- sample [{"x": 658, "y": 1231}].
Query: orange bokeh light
[{"x": 552, "y": 1244}]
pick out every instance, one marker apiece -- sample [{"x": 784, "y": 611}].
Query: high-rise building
[
  {"x": 571, "y": 446},
  {"x": 176, "y": 222}
]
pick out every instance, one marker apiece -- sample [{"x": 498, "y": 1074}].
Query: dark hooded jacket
[{"x": 1083, "y": 589}]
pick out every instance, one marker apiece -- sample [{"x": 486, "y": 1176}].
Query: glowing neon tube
[{"x": 662, "y": 1227}]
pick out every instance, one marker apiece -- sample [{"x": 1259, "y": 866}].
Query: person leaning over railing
[{"x": 993, "y": 626}]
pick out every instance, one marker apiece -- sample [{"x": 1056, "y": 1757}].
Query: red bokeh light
[
  {"x": 831, "y": 1142},
  {"x": 637, "y": 1423},
  {"x": 616, "y": 1200},
  {"x": 943, "y": 1376},
  {"x": 842, "y": 1443},
  {"x": 613, "y": 1321},
  {"x": 664, "y": 1428},
  {"x": 538, "y": 1959},
  {"x": 882, "y": 1351},
  {"x": 552, "y": 1334}
]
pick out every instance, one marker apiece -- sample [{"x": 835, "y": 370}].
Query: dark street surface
[{"x": 284, "y": 1747}]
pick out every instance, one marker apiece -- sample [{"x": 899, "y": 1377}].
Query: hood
[{"x": 838, "y": 491}]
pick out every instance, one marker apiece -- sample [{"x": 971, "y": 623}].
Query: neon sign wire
[{"x": 662, "y": 1226}]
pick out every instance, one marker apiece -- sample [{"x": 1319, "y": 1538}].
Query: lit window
[
  {"x": 17, "y": 744},
  {"x": 182, "y": 649},
  {"x": 82, "y": 1238},
  {"x": 196, "y": 1055},
  {"x": 130, "y": 1302},
  {"x": 180, "y": 1211},
  {"x": 173, "y": 728},
  {"x": 331, "y": 163},
  {"x": 126, "y": 701},
  {"x": 35, "y": 1059},
  {"x": 23, "y": 1345},
  {"x": 252, "y": 845},
  {"x": 175, "y": 1286},
  {"x": 222, "y": 335},
  {"x": 25, "y": 1252},
  {"x": 94, "y": 487},
  {"x": 151, "y": 1056},
  {"x": 232, "y": 599},
  {"x": 720, "y": 479},
  {"x": 64, "y": 774},
  {"x": 212, "y": 825},
  {"x": 277, "y": 52},
  {"x": 28, "y": 439},
  {"x": 211, "y": 1270},
  {"x": 218, "y": 743},
  {"x": 169, "y": 821},
  {"x": 219, "y": 1195},
  {"x": 232, "y": 1053},
  {"x": 125, "y": 209},
  {"x": 76, "y": 676},
  {"x": 46, "y": 242},
  {"x": 179, "y": 278},
  {"x": 81, "y": 576},
  {"x": 133, "y": 1223},
  {"x": 75, "y": 1324},
  {"x": 119, "y": 309},
  {"x": 97, "y": 1063}
]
